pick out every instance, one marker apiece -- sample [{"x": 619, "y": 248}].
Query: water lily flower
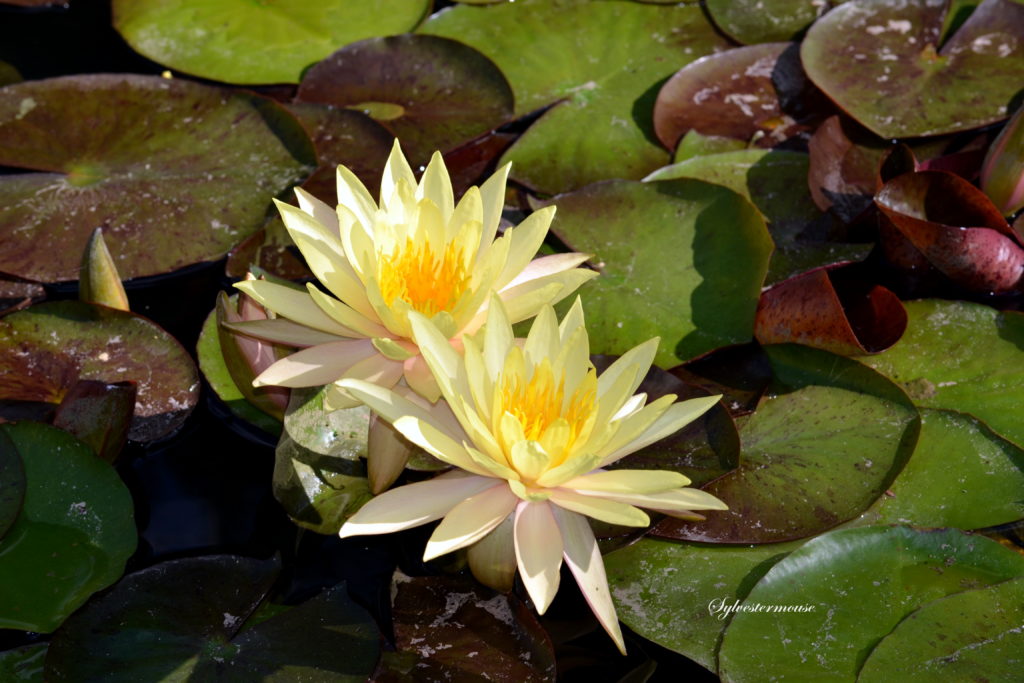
[
  {"x": 416, "y": 252},
  {"x": 530, "y": 429}
]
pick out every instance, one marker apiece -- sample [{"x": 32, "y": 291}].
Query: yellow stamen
[{"x": 415, "y": 274}]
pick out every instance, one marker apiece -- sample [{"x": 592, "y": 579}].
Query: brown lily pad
[
  {"x": 433, "y": 93},
  {"x": 174, "y": 171},
  {"x": 844, "y": 167},
  {"x": 887, "y": 64},
  {"x": 98, "y": 414},
  {"x": 47, "y": 349},
  {"x": 956, "y": 227},
  {"x": 808, "y": 309}
]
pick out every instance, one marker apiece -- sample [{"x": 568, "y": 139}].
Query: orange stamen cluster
[{"x": 413, "y": 273}]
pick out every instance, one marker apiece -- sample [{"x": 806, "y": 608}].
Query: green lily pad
[
  {"x": 176, "y": 172},
  {"x": 961, "y": 356},
  {"x": 858, "y": 584},
  {"x": 215, "y": 370},
  {"x": 973, "y": 635},
  {"x": 667, "y": 267},
  {"x": 75, "y": 532},
  {"x": 602, "y": 62},
  {"x": 676, "y": 594},
  {"x": 238, "y": 41},
  {"x": 961, "y": 475},
  {"x": 12, "y": 484},
  {"x": 818, "y": 451},
  {"x": 23, "y": 663},
  {"x": 774, "y": 181},
  {"x": 763, "y": 21},
  {"x": 432, "y": 93},
  {"x": 882, "y": 62},
  {"x": 192, "y": 619},
  {"x": 49, "y": 347}
]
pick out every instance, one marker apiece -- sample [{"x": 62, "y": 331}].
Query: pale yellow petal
[
  {"x": 387, "y": 453},
  {"x": 572, "y": 322},
  {"x": 354, "y": 196},
  {"x": 357, "y": 244},
  {"x": 525, "y": 300},
  {"x": 498, "y": 339},
  {"x": 392, "y": 406},
  {"x": 538, "y": 551},
  {"x": 679, "y": 499},
  {"x": 635, "y": 362},
  {"x": 317, "y": 365},
  {"x": 628, "y": 481},
  {"x": 345, "y": 315},
  {"x": 480, "y": 385},
  {"x": 468, "y": 210},
  {"x": 283, "y": 331},
  {"x": 444, "y": 361},
  {"x": 492, "y": 197},
  {"x": 471, "y": 520},
  {"x": 529, "y": 458},
  {"x": 672, "y": 420},
  {"x": 542, "y": 342},
  {"x": 604, "y": 509},
  {"x": 573, "y": 361},
  {"x": 377, "y": 369},
  {"x": 583, "y": 558},
  {"x": 526, "y": 240},
  {"x": 414, "y": 504},
  {"x": 336, "y": 398},
  {"x": 548, "y": 265},
  {"x": 436, "y": 186},
  {"x": 293, "y": 304},
  {"x": 420, "y": 379},
  {"x": 578, "y": 464},
  {"x": 396, "y": 170},
  {"x": 629, "y": 428},
  {"x": 438, "y": 444},
  {"x": 324, "y": 214}
]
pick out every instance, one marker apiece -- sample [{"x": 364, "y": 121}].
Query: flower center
[
  {"x": 427, "y": 282},
  {"x": 540, "y": 401}
]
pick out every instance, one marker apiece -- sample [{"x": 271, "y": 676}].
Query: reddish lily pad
[
  {"x": 764, "y": 21},
  {"x": 256, "y": 42},
  {"x": 458, "y": 630},
  {"x": 73, "y": 536},
  {"x": 882, "y": 62},
  {"x": 961, "y": 356},
  {"x": 666, "y": 269},
  {"x": 473, "y": 162},
  {"x": 817, "y": 452},
  {"x": 729, "y": 94},
  {"x": 99, "y": 414},
  {"x": 433, "y": 93},
  {"x": 843, "y": 174},
  {"x": 741, "y": 374},
  {"x": 16, "y": 294},
  {"x": 197, "y": 618},
  {"x": 602, "y": 62},
  {"x": 808, "y": 309},
  {"x": 857, "y": 585},
  {"x": 49, "y": 347},
  {"x": 956, "y": 227},
  {"x": 175, "y": 173}
]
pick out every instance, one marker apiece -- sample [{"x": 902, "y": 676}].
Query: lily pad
[
  {"x": 176, "y": 173},
  {"x": 194, "y": 618},
  {"x": 23, "y": 663},
  {"x": 858, "y": 584},
  {"x": 75, "y": 532},
  {"x": 817, "y": 452},
  {"x": 433, "y": 93},
  {"x": 602, "y": 62},
  {"x": 237, "y": 41},
  {"x": 883, "y": 63},
  {"x": 49, "y": 347},
  {"x": 961, "y": 475},
  {"x": 843, "y": 173},
  {"x": 961, "y": 356},
  {"x": 677, "y": 594},
  {"x": 774, "y": 181},
  {"x": 12, "y": 484},
  {"x": 1002, "y": 173},
  {"x": 975, "y": 635},
  {"x": 668, "y": 268},
  {"x": 99, "y": 414},
  {"x": 763, "y": 21}
]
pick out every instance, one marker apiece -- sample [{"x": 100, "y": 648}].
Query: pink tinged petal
[
  {"x": 354, "y": 196},
  {"x": 376, "y": 369},
  {"x": 414, "y": 504},
  {"x": 679, "y": 499},
  {"x": 584, "y": 561},
  {"x": 627, "y": 481},
  {"x": 387, "y": 452},
  {"x": 420, "y": 379},
  {"x": 396, "y": 169},
  {"x": 283, "y": 331},
  {"x": 349, "y": 317},
  {"x": 492, "y": 559},
  {"x": 324, "y": 214},
  {"x": 526, "y": 240},
  {"x": 538, "y": 551},
  {"x": 293, "y": 304},
  {"x": 436, "y": 186},
  {"x": 316, "y": 365},
  {"x": 471, "y": 520},
  {"x": 492, "y": 196},
  {"x": 606, "y": 510},
  {"x": 545, "y": 266},
  {"x": 438, "y": 444},
  {"x": 542, "y": 342},
  {"x": 677, "y": 416}
]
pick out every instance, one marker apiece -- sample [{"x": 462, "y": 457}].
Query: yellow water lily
[
  {"x": 417, "y": 252},
  {"x": 530, "y": 428}
]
